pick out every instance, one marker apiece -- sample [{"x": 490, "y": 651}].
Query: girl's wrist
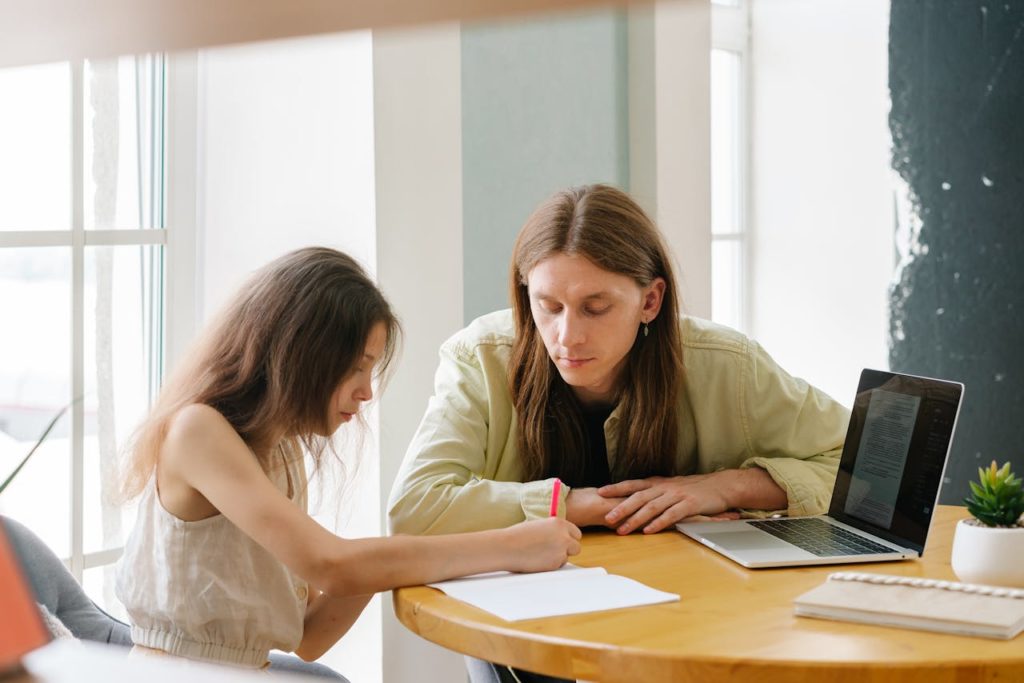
[
  {"x": 586, "y": 507},
  {"x": 507, "y": 547}
]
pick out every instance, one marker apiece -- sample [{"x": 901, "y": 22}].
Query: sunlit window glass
[
  {"x": 81, "y": 295},
  {"x": 728, "y": 277},
  {"x": 35, "y": 148}
]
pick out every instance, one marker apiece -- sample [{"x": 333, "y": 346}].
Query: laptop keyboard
[{"x": 819, "y": 537}]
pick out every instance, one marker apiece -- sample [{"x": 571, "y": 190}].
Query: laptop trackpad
[{"x": 752, "y": 539}]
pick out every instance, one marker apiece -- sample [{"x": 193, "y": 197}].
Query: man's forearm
[{"x": 752, "y": 488}]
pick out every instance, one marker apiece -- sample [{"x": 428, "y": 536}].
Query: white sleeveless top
[{"x": 204, "y": 589}]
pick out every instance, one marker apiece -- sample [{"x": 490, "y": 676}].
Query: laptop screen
[
  {"x": 21, "y": 626},
  {"x": 901, "y": 429}
]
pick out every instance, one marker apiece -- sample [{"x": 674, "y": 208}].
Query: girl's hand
[
  {"x": 541, "y": 544},
  {"x": 587, "y": 507}
]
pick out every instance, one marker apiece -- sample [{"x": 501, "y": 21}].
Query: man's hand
[
  {"x": 585, "y": 507},
  {"x": 657, "y": 503}
]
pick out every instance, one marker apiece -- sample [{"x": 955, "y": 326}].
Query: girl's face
[
  {"x": 357, "y": 387},
  {"x": 588, "y": 318}
]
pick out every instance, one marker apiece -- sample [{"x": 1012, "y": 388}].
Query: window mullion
[
  {"x": 77, "y": 319},
  {"x": 101, "y": 558},
  {"x": 157, "y": 187},
  {"x": 113, "y": 238},
  {"x": 746, "y": 174},
  {"x": 35, "y": 238}
]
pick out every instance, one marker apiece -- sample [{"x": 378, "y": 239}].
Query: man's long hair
[{"x": 605, "y": 226}]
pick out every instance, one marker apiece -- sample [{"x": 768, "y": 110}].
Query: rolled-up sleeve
[
  {"x": 456, "y": 475},
  {"x": 792, "y": 430}
]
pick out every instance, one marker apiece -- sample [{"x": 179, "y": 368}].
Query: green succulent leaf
[{"x": 997, "y": 498}]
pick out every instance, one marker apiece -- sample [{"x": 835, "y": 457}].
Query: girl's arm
[
  {"x": 327, "y": 620},
  {"x": 204, "y": 452}
]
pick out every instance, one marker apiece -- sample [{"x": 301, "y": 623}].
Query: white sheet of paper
[{"x": 569, "y": 590}]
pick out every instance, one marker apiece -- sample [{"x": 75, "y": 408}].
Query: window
[
  {"x": 82, "y": 238},
  {"x": 730, "y": 243}
]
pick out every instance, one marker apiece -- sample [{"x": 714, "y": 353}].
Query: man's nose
[{"x": 572, "y": 331}]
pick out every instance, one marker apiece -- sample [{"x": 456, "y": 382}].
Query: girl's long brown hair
[
  {"x": 273, "y": 357},
  {"x": 604, "y": 225}
]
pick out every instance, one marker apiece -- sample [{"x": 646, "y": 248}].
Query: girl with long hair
[{"x": 224, "y": 562}]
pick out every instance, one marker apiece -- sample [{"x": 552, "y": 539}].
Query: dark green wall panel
[{"x": 956, "y": 76}]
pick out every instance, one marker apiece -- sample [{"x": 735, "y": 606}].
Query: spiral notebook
[{"x": 907, "y": 602}]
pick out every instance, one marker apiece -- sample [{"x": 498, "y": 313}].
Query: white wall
[
  {"x": 287, "y": 139},
  {"x": 822, "y": 193},
  {"x": 418, "y": 127},
  {"x": 285, "y": 161}
]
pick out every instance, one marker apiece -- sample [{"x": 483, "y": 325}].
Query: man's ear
[{"x": 654, "y": 295}]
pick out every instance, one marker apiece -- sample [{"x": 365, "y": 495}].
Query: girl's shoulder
[
  {"x": 197, "y": 431},
  {"x": 197, "y": 419}
]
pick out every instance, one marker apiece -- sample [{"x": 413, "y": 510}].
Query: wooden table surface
[{"x": 731, "y": 624}]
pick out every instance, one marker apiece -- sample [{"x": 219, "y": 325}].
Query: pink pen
[{"x": 555, "y": 490}]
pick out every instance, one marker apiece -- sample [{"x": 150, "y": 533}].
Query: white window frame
[
  {"x": 730, "y": 30},
  {"x": 176, "y": 288}
]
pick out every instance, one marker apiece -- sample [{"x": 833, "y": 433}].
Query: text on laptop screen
[
  {"x": 881, "y": 457},
  {"x": 899, "y": 435}
]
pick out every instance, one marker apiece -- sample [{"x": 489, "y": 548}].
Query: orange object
[{"x": 21, "y": 626}]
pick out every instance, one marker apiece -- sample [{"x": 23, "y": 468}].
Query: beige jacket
[{"x": 737, "y": 409}]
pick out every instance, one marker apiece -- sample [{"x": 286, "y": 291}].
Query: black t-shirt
[{"x": 595, "y": 462}]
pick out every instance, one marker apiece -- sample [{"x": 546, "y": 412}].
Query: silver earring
[{"x": 646, "y": 330}]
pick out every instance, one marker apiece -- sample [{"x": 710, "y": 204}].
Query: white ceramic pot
[{"x": 988, "y": 555}]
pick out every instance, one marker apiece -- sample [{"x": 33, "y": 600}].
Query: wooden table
[{"x": 731, "y": 624}]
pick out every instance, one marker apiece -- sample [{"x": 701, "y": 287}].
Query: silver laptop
[{"x": 900, "y": 434}]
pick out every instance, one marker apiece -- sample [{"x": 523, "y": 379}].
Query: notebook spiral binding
[{"x": 887, "y": 579}]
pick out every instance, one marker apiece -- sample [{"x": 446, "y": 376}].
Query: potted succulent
[{"x": 988, "y": 548}]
